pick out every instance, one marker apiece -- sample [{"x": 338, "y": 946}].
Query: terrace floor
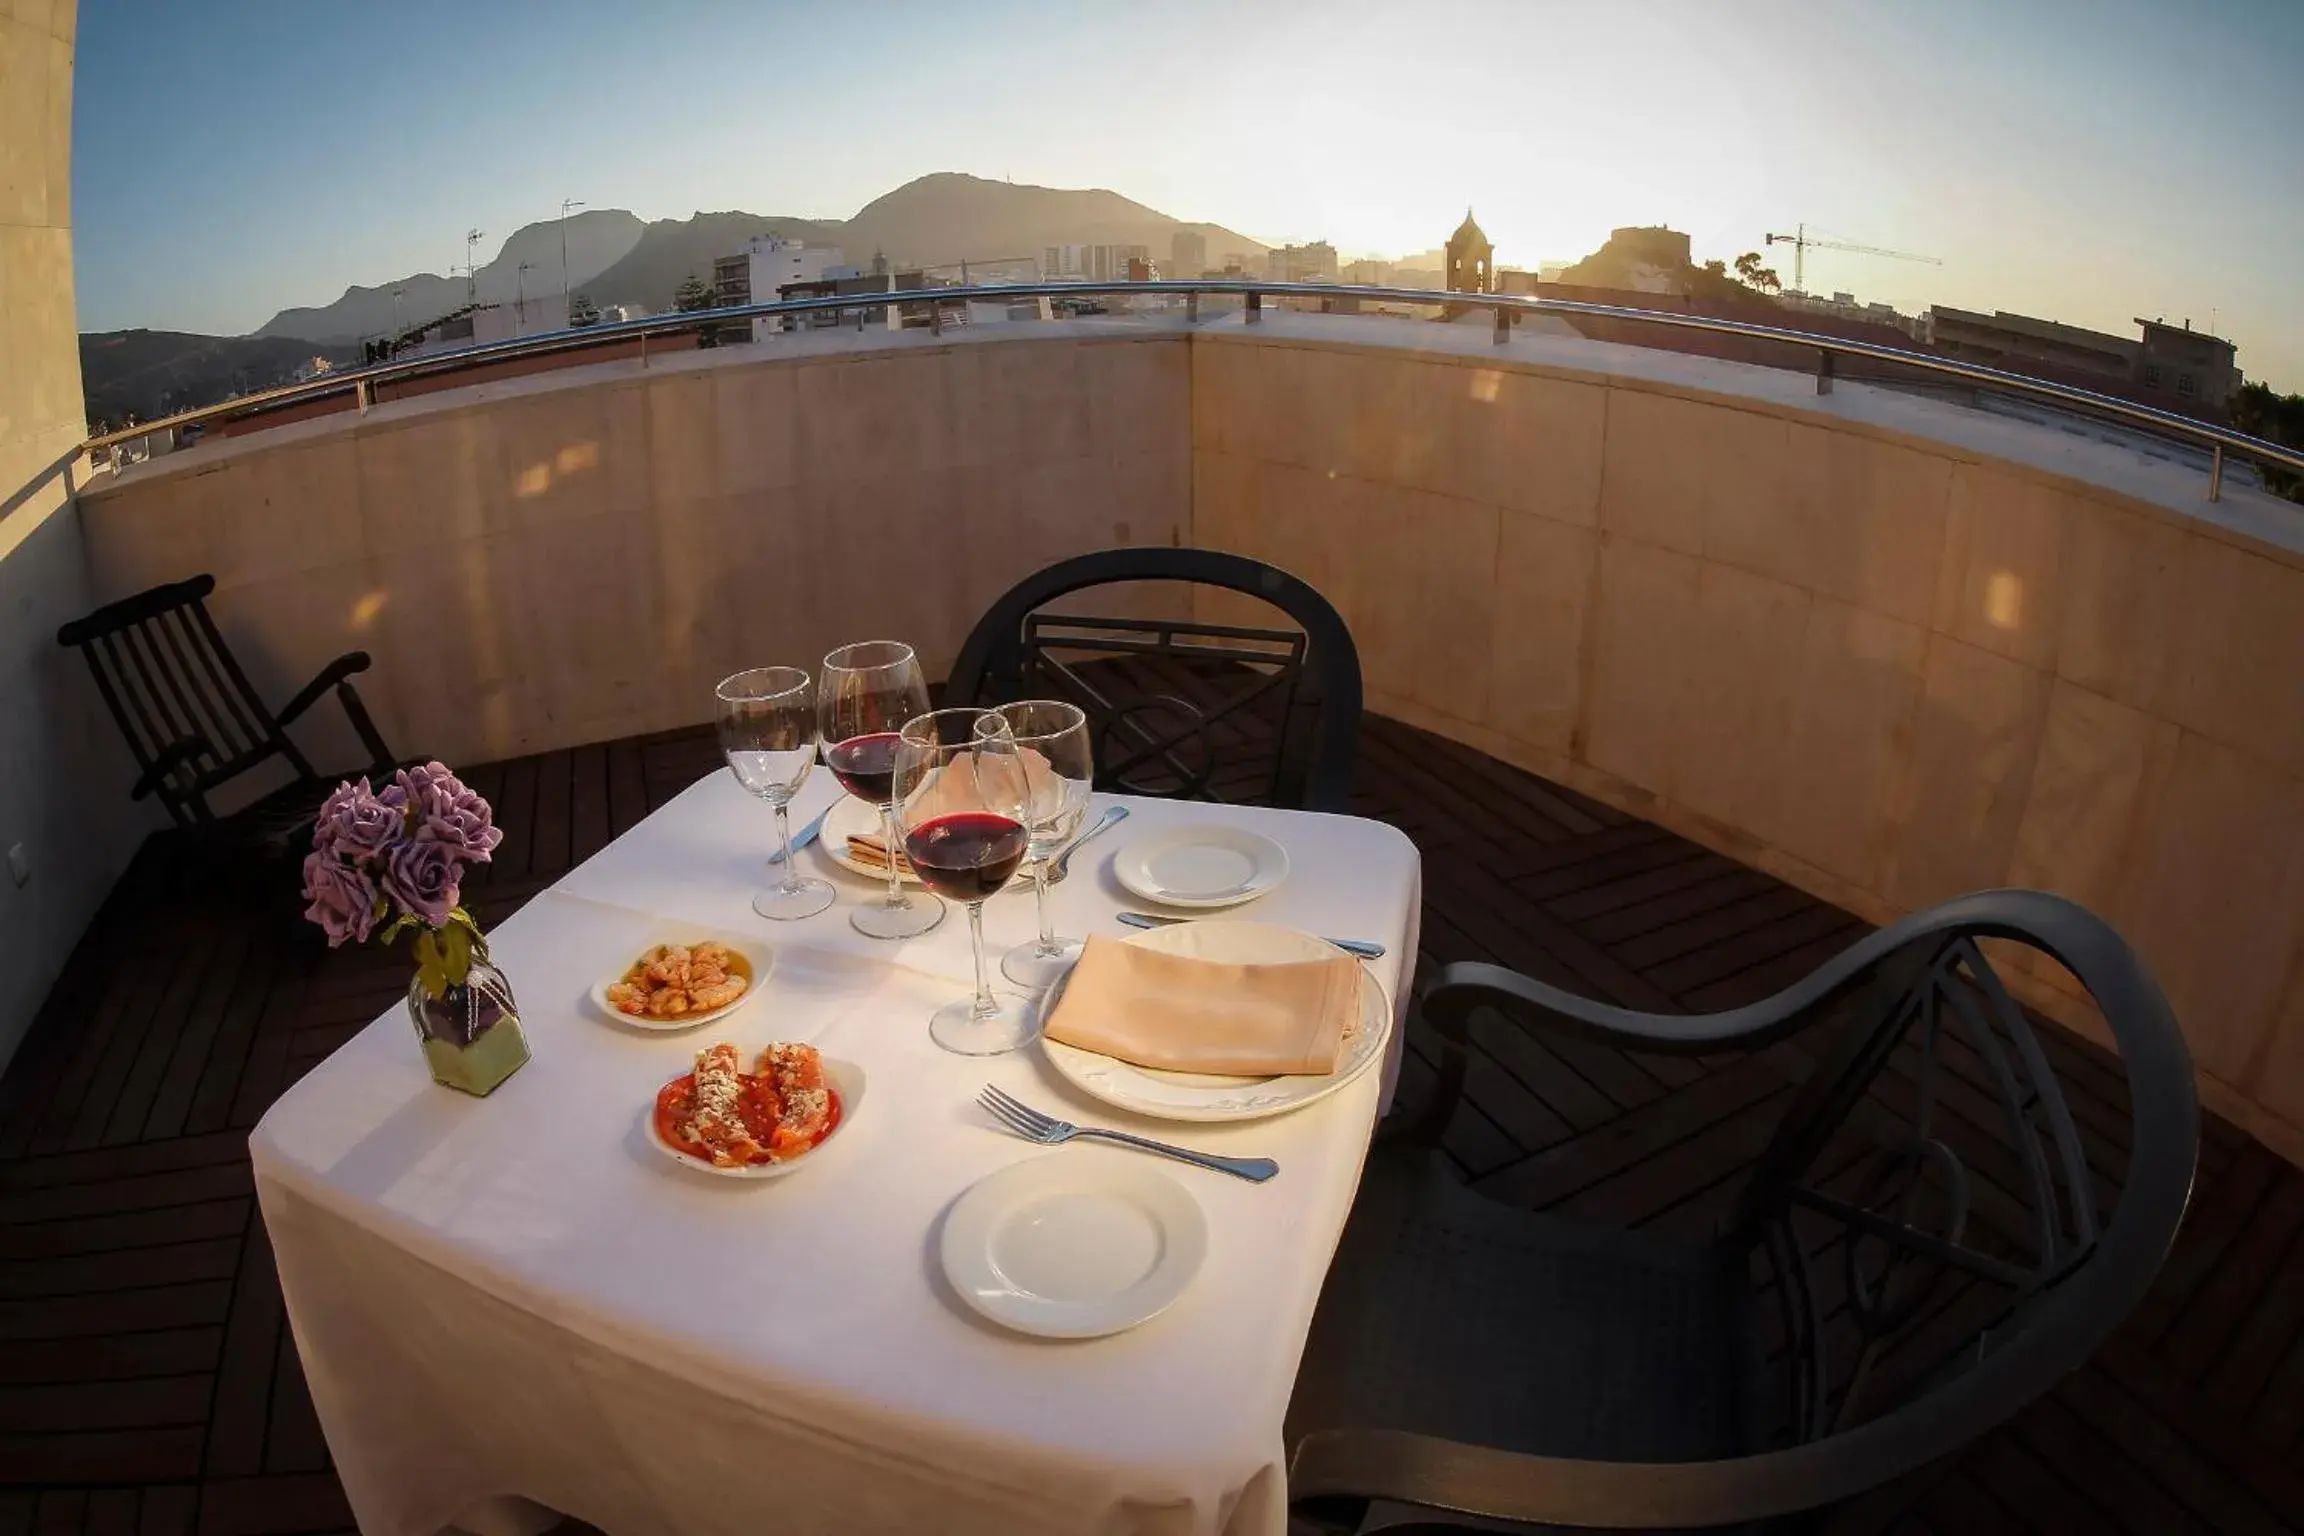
[{"x": 148, "y": 1384}]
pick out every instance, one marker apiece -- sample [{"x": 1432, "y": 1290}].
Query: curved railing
[{"x": 362, "y": 383}]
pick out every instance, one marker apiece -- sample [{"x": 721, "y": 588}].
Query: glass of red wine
[
  {"x": 864, "y": 694},
  {"x": 961, "y": 794}
]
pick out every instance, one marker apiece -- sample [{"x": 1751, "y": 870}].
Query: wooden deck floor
[{"x": 148, "y": 1384}]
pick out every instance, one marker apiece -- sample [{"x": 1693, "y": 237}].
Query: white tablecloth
[{"x": 518, "y": 1297}]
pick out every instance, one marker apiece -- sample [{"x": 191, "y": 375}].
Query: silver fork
[{"x": 1032, "y": 1125}]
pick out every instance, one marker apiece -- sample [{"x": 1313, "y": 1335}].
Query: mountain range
[{"x": 616, "y": 258}]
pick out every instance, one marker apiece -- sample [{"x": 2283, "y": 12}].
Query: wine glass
[
  {"x": 864, "y": 694},
  {"x": 767, "y": 721},
  {"x": 1059, "y": 772},
  {"x": 960, "y": 791}
]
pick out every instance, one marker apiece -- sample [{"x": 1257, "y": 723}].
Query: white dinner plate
[
  {"x": 760, "y": 957},
  {"x": 1075, "y": 1245},
  {"x": 1202, "y": 865},
  {"x": 851, "y": 817},
  {"x": 847, "y": 1081},
  {"x": 1203, "y": 1096}
]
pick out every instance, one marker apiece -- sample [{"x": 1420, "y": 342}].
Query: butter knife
[
  {"x": 1364, "y": 948},
  {"x": 804, "y": 836}
]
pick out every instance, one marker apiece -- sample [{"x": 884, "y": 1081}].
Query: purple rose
[
  {"x": 355, "y": 823},
  {"x": 343, "y": 898},
  {"x": 422, "y": 875},
  {"x": 450, "y": 811}
]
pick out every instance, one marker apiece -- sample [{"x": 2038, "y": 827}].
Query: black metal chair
[
  {"x": 1892, "y": 1282},
  {"x": 1213, "y": 680},
  {"x": 191, "y": 718}
]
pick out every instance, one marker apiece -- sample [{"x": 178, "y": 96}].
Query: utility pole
[
  {"x": 471, "y": 271},
  {"x": 520, "y": 299},
  {"x": 566, "y": 203}
]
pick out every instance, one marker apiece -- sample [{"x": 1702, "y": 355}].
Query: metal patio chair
[
  {"x": 1198, "y": 711},
  {"x": 1922, "y": 1248},
  {"x": 193, "y": 722}
]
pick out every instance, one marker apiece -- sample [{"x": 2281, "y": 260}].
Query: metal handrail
[{"x": 362, "y": 383}]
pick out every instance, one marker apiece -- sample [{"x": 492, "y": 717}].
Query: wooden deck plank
[{"x": 135, "y": 1278}]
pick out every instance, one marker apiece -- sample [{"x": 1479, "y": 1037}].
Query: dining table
[{"x": 516, "y": 1308}]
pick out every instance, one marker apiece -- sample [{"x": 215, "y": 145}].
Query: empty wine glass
[
  {"x": 864, "y": 694},
  {"x": 767, "y": 722},
  {"x": 1059, "y": 773},
  {"x": 960, "y": 791}
]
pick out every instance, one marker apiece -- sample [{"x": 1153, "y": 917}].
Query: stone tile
[
  {"x": 289, "y": 509},
  {"x": 567, "y": 454},
  {"x": 1747, "y": 636},
  {"x": 2276, "y": 1079},
  {"x": 2099, "y": 774},
  {"x": 753, "y": 426},
  {"x": 1858, "y": 520},
  {"x": 1556, "y": 435},
  {"x": 2238, "y": 673},
  {"x": 431, "y": 480},
  {"x": 24, "y": 120},
  {"x": 1138, "y": 395},
  {"x": 1219, "y": 387},
  {"x": 1545, "y": 574},
  {"x": 56, "y": 172},
  {"x": 2217, "y": 899},
  {"x": 2001, "y": 588},
  {"x": 1423, "y": 599},
  {"x": 1852, "y": 695},
  {"x": 1675, "y": 468},
  {"x": 683, "y": 439},
  {"x": 1643, "y": 638},
  {"x": 2121, "y": 578},
  {"x": 1975, "y": 740},
  {"x": 1392, "y": 420}
]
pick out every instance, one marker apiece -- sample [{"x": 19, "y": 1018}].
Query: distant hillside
[
  {"x": 670, "y": 249},
  {"x": 145, "y": 375},
  {"x": 950, "y": 217},
  {"x": 597, "y": 240}
]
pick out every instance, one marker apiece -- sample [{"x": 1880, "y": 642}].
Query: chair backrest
[
  {"x": 1179, "y": 708},
  {"x": 178, "y": 695},
  {"x": 1936, "y": 1237}
]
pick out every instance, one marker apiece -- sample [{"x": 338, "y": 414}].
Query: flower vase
[{"x": 471, "y": 1032}]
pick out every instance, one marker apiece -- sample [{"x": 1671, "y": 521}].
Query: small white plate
[
  {"x": 851, "y": 817},
  {"x": 760, "y": 957},
  {"x": 1073, "y": 1246},
  {"x": 847, "y": 1081},
  {"x": 1203, "y": 865},
  {"x": 1201, "y": 1096}
]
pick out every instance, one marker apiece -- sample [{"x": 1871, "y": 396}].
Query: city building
[
  {"x": 2172, "y": 366},
  {"x": 1187, "y": 254},
  {"x": 1311, "y": 263},
  {"x": 1092, "y": 263},
  {"x": 1471, "y": 258},
  {"x": 2197, "y": 369},
  {"x": 1845, "y": 306}
]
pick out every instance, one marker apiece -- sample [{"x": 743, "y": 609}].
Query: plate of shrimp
[{"x": 675, "y": 985}]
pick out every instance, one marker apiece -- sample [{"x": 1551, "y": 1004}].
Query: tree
[
  {"x": 582, "y": 311},
  {"x": 2276, "y": 418},
  {"x": 1755, "y": 276},
  {"x": 693, "y": 296}
]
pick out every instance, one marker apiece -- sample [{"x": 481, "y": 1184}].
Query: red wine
[
  {"x": 865, "y": 766},
  {"x": 966, "y": 856}
]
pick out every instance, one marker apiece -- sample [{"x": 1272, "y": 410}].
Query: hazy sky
[{"x": 2085, "y": 160}]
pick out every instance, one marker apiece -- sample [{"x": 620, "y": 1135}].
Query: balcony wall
[
  {"x": 1889, "y": 649},
  {"x": 583, "y": 554},
  {"x": 54, "y": 745},
  {"x": 1884, "y": 648}
]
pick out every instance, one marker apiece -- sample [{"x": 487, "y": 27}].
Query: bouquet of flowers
[{"x": 396, "y": 857}]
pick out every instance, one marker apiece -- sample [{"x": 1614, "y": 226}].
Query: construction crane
[{"x": 1802, "y": 242}]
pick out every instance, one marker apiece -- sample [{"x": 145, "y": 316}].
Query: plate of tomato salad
[{"x": 754, "y": 1117}]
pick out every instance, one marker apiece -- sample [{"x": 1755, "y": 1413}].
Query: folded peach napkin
[
  {"x": 957, "y": 787},
  {"x": 1179, "y": 1014}
]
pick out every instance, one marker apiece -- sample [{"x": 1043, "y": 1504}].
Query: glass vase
[{"x": 471, "y": 1034}]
